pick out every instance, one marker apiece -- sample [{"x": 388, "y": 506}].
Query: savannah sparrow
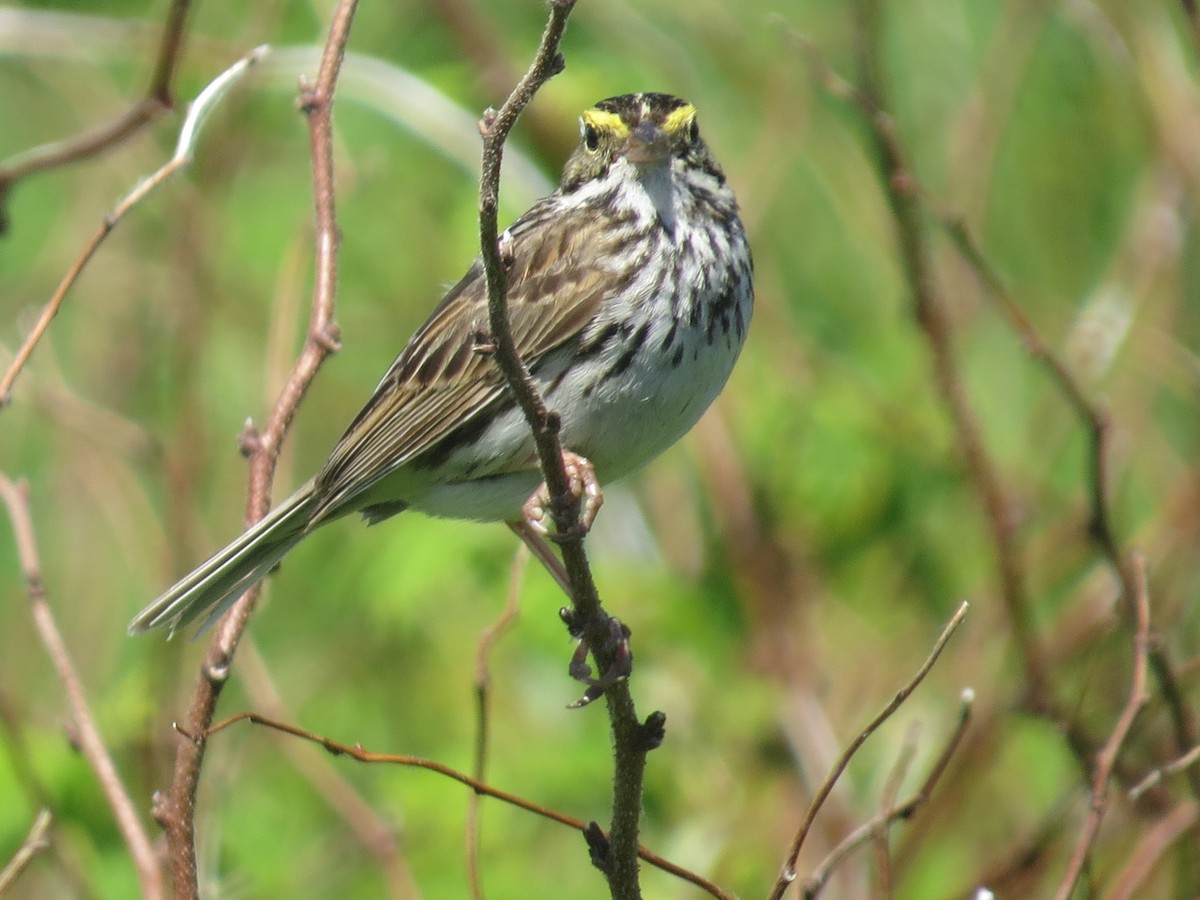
[{"x": 629, "y": 296}]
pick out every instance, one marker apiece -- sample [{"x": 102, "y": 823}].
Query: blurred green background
[{"x": 784, "y": 570}]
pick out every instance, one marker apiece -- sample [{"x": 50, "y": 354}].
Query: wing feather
[{"x": 441, "y": 380}]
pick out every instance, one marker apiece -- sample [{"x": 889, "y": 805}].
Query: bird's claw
[
  {"x": 616, "y": 643},
  {"x": 584, "y": 489}
]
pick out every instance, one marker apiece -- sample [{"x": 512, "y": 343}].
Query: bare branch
[
  {"x": 37, "y": 841},
  {"x": 483, "y": 681},
  {"x": 877, "y": 826},
  {"x": 1157, "y": 775},
  {"x": 178, "y": 811},
  {"x": 788, "y": 873},
  {"x": 1108, "y": 755},
  {"x": 189, "y": 133},
  {"x": 365, "y": 756},
  {"x": 157, "y": 100},
  {"x": 630, "y": 747},
  {"x": 16, "y": 498},
  {"x": 1099, "y": 427},
  {"x": 1128, "y": 882}
]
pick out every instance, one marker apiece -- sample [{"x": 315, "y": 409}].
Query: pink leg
[{"x": 581, "y": 477}]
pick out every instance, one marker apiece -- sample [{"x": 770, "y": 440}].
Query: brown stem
[
  {"x": 1112, "y": 747},
  {"x": 37, "y": 841},
  {"x": 900, "y": 185},
  {"x": 356, "y": 752},
  {"x": 178, "y": 811},
  {"x": 892, "y": 813},
  {"x": 629, "y": 746},
  {"x": 483, "y": 690},
  {"x": 156, "y": 101},
  {"x": 788, "y": 873},
  {"x": 180, "y": 160},
  {"x": 16, "y": 498}
]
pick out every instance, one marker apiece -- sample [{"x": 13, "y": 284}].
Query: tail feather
[{"x": 213, "y": 586}]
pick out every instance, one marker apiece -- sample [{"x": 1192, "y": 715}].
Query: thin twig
[
  {"x": 1157, "y": 775},
  {"x": 1108, "y": 755},
  {"x": 900, "y": 185},
  {"x": 883, "y": 887},
  {"x": 356, "y": 752},
  {"x": 787, "y": 874},
  {"x": 816, "y": 882},
  {"x": 178, "y": 811},
  {"x": 629, "y": 743},
  {"x": 483, "y": 686},
  {"x": 16, "y": 498},
  {"x": 1100, "y": 525},
  {"x": 185, "y": 147},
  {"x": 37, "y": 841},
  {"x": 156, "y": 101},
  {"x": 1148, "y": 852}
]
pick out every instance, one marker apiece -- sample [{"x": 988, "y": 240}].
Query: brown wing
[{"x": 441, "y": 381}]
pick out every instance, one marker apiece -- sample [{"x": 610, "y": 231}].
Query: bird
[{"x": 630, "y": 292}]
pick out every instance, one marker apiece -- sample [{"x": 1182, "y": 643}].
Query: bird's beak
[{"x": 647, "y": 143}]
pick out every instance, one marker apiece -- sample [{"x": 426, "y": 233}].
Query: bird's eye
[
  {"x": 591, "y": 138},
  {"x": 694, "y": 131}
]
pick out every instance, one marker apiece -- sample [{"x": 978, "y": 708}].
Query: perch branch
[{"x": 629, "y": 741}]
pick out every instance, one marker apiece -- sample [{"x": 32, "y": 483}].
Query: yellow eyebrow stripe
[
  {"x": 607, "y": 122},
  {"x": 678, "y": 119}
]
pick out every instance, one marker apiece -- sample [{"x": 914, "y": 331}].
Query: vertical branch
[
  {"x": 616, "y": 853},
  {"x": 1108, "y": 755},
  {"x": 16, "y": 498},
  {"x": 483, "y": 681},
  {"x": 177, "y": 810},
  {"x": 901, "y": 188}
]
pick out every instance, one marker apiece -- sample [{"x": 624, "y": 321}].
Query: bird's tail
[{"x": 213, "y": 586}]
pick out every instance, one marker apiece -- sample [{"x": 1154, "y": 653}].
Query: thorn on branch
[
  {"x": 307, "y": 98},
  {"x": 184, "y": 733},
  {"x": 158, "y": 808},
  {"x": 652, "y": 732},
  {"x": 328, "y": 337},
  {"x": 598, "y": 846},
  {"x": 487, "y": 121},
  {"x": 504, "y": 246},
  {"x": 250, "y": 440}
]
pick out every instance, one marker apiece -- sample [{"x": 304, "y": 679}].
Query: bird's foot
[
  {"x": 584, "y": 490},
  {"x": 614, "y": 646}
]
